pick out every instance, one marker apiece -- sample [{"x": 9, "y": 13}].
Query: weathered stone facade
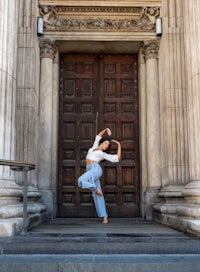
[{"x": 168, "y": 105}]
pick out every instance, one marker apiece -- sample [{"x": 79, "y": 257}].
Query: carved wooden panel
[
  {"x": 118, "y": 111},
  {"x": 98, "y": 92}
]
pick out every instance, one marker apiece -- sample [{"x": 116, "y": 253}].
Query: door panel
[
  {"x": 98, "y": 92},
  {"x": 118, "y": 110}
]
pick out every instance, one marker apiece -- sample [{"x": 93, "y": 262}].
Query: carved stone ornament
[
  {"x": 53, "y": 21},
  {"x": 47, "y": 48},
  {"x": 151, "y": 49}
]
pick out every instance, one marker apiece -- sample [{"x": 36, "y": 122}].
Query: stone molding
[
  {"x": 48, "y": 49},
  {"x": 138, "y": 19},
  {"x": 150, "y": 49},
  {"x": 98, "y": 9}
]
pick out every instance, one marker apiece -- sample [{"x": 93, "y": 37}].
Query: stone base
[
  {"x": 189, "y": 210},
  {"x": 166, "y": 208},
  {"x": 188, "y": 225},
  {"x": 15, "y": 211},
  {"x": 13, "y": 226},
  {"x": 151, "y": 197},
  {"x": 10, "y": 227},
  {"x": 36, "y": 219}
]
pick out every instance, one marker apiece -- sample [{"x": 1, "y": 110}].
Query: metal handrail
[{"x": 24, "y": 167}]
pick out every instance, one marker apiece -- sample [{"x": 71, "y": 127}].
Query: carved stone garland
[{"x": 145, "y": 23}]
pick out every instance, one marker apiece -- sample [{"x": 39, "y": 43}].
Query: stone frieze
[{"x": 53, "y": 20}]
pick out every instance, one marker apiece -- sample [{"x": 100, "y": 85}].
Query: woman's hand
[{"x": 108, "y": 131}]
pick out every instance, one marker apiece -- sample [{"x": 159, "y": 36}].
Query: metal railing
[{"x": 24, "y": 167}]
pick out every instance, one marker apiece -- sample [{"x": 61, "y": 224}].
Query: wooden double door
[{"x": 98, "y": 91}]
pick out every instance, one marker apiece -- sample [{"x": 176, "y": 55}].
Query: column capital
[
  {"x": 48, "y": 48},
  {"x": 150, "y": 49}
]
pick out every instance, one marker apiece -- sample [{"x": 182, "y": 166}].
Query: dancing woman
[{"x": 91, "y": 178}]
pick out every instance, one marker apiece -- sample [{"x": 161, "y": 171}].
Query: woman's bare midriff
[{"x": 89, "y": 161}]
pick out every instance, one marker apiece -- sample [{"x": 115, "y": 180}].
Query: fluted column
[
  {"x": 173, "y": 107},
  {"x": 153, "y": 124},
  {"x": 173, "y": 101},
  {"x": 192, "y": 48},
  {"x": 45, "y": 132},
  {"x": 27, "y": 95},
  {"x": 9, "y": 191}
]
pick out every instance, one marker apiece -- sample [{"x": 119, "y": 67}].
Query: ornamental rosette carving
[{"x": 53, "y": 20}]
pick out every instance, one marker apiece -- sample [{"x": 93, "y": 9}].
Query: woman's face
[{"x": 105, "y": 145}]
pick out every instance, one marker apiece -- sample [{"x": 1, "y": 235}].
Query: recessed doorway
[{"x": 98, "y": 91}]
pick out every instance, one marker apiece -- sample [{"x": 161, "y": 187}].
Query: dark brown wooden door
[{"x": 98, "y": 91}]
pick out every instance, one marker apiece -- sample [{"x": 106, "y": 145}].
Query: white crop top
[{"x": 99, "y": 155}]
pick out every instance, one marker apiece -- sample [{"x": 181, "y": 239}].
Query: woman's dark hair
[{"x": 103, "y": 140}]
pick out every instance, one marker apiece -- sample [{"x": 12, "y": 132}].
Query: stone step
[
  {"x": 99, "y": 263},
  {"x": 100, "y": 243},
  {"x": 85, "y": 245}
]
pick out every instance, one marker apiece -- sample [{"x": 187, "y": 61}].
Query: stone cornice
[
  {"x": 134, "y": 19},
  {"x": 103, "y": 3},
  {"x": 97, "y": 9}
]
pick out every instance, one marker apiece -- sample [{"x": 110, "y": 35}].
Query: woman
[{"x": 91, "y": 178}]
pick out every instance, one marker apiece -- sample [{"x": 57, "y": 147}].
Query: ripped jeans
[{"x": 91, "y": 180}]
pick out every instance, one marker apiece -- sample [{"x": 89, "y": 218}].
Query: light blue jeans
[{"x": 91, "y": 180}]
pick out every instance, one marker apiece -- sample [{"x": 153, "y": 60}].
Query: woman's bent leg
[
  {"x": 86, "y": 181},
  {"x": 91, "y": 180}
]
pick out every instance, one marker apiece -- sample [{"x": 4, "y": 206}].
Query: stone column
[
  {"x": 153, "y": 124},
  {"x": 8, "y": 60},
  {"x": 45, "y": 131},
  {"x": 55, "y": 131},
  {"x": 191, "y": 10},
  {"x": 173, "y": 101},
  {"x": 142, "y": 136},
  {"x": 27, "y": 94},
  {"x": 10, "y": 192},
  {"x": 173, "y": 108}
]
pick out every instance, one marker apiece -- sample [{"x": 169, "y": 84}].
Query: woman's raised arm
[
  {"x": 118, "y": 148},
  {"x": 101, "y": 133}
]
